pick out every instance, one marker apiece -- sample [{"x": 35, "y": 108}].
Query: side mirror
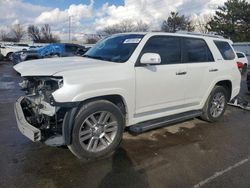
[{"x": 150, "y": 58}]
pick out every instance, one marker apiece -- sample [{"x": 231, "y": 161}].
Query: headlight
[
  {"x": 41, "y": 84},
  {"x": 52, "y": 83}
]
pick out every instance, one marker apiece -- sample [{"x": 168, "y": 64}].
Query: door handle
[
  {"x": 181, "y": 73},
  {"x": 213, "y": 70}
]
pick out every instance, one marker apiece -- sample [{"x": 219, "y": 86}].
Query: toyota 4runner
[{"x": 140, "y": 81}]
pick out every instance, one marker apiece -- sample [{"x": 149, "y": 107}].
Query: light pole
[{"x": 69, "y": 27}]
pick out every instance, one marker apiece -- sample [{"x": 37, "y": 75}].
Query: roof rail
[{"x": 212, "y": 34}]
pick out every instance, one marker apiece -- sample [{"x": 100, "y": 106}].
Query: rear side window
[
  {"x": 240, "y": 55},
  {"x": 196, "y": 51},
  {"x": 168, "y": 47},
  {"x": 225, "y": 50}
]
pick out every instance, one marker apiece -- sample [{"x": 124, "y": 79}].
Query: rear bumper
[{"x": 25, "y": 128}]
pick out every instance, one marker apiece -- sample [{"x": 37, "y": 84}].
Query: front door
[{"x": 161, "y": 88}]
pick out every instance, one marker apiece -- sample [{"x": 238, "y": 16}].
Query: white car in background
[
  {"x": 242, "y": 61},
  {"x": 8, "y": 50}
]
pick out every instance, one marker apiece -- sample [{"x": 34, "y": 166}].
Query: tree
[
  {"x": 175, "y": 23},
  {"x": 232, "y": 20},
  {"x": 140, "y": 26},
  {"x": 3, "y": 35},
  {"x": 13, "y": 34},
  {"x": 125, "y": 26},
  {"x": 34, "y": 33},
  {"x": 42, "y": 35},
  {"x": 201, "y": 22},
  {"x": 17, "y": 32}
]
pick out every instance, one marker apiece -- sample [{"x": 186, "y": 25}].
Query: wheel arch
[
  {"x": 69, "y": 117},
  {"x": 227, "y": 84},
  {"x": 9, "y": 54}
]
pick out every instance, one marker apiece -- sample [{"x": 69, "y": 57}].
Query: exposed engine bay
[{"x": 39, "y": 106}]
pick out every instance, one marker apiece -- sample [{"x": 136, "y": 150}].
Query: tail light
[{"x": 240, "y": 65}]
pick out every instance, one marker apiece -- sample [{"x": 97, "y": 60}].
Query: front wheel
[
  {"x": 97, "y": 130},
  {"x": 215, "y": 105}
]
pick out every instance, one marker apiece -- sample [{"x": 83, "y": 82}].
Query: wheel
[
  {"x": 244, "y": 69},
  {"x": 215, "y": 105},
  {"x": 9, "y": 56},
  {"x": 97, "y": 131}
]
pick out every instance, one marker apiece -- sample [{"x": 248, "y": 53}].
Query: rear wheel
[
  {"x": 97, "y": 131},
  {"x": 9, "y": 56},
  {"x": 215, "y": 105},
  {"x": 244, "y": 69}
]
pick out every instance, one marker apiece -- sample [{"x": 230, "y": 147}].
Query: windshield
[{"x": 116, "y": 48}]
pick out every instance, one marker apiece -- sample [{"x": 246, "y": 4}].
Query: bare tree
[
  {"x": 46, "y": 32},
  {"x": 34, "y": 33},
  {"x": 12, "y": 34},
  {"x": 92, "y": 40},
  {"x": 17, "y": 32},
  {"x": 200, "y": 23},
  {"x": 141, "y": 26},
  {"x": 3, "y": 35},
  {"x": 43, "y": 35},
  {"x": 125, "y": 26}
]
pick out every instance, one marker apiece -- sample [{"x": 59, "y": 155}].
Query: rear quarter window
[
  {"x": 240, "y": 55},
  {"x": 225, "y": 50}
]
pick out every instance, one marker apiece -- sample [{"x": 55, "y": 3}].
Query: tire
[
  {"x": 244, "y": 69},
  {"x": 9, "y": 56},
  {"x": 213, "y": 104},
  {"x": 97, "y": 130}
]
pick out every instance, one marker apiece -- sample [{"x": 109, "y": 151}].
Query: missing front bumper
[{"x": 26, "y": 129}]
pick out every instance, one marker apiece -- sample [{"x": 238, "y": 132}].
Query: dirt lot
[{"x": 190, "y": 154}]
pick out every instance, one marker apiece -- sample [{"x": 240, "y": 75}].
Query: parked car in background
[
  {"x": 8, "y": 50},
  {"x": 248, "y": 81},
  {"x": 242, "y": 62},
  {"x": 51, "y": 50},
  {"x": 86, "y": 102},
  {"x": 243, "y": 47}
]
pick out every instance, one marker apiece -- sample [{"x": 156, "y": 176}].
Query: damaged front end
[{"x": 38, "y": 116}]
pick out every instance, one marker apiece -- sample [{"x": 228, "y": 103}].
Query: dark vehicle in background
[
  {"x": 51, "y": 50},
  {"x": 248, "y": 81}
]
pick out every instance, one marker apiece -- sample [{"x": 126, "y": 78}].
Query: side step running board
[{"x": 162, "y": 122}]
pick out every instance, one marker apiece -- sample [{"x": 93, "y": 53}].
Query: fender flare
[{"x": 67, "y": 126}]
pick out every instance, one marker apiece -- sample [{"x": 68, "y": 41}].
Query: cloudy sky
[{"x": 88, "y": 16}]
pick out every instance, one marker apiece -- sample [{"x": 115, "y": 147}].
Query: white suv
[
  {"x": 8, "y": 50},
  {"x": 141, "y": 81}
]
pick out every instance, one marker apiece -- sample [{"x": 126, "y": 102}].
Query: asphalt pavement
[{"x": 189, "y": 154}]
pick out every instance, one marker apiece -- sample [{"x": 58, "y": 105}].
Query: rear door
[{"x": 201, "y": 68}]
